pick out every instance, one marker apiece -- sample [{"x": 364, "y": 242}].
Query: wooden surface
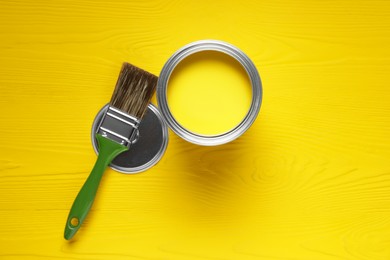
[{"x": 309, "y": 180}]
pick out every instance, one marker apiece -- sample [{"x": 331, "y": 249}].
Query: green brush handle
[{"x": 108, "y": 150}]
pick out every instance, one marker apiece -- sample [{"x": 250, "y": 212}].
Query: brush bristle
[{"x": 133, "y": 91}]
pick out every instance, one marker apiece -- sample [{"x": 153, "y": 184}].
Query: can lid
[{"x": 147, "y": 149}]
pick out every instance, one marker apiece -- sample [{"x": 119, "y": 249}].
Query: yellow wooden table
[{"x": 309, "y": 180}]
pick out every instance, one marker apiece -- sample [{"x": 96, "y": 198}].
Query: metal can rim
[{"x": 209, "y": 45}]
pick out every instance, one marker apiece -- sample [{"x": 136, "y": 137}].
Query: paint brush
[{"x": 117, "y": 130}]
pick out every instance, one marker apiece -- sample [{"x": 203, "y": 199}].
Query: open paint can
[{"x": 207, "y": 108}]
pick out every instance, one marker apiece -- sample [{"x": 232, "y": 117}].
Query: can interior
[{"x": 209, "y": 93}]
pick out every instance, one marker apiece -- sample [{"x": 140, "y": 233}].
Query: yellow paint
[
  {"x": 209, "y": 93},
  {"x": 310, "y": 180}
]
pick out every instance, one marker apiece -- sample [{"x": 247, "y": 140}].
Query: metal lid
[
  {"x": 207, "y": 45},
  {"x": 146, "y": 150}
]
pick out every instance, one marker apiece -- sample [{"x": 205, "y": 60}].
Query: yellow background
[{"x": 309, "y": 180}]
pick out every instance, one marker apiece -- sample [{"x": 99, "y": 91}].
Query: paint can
[{"x": 196, "y": 47}]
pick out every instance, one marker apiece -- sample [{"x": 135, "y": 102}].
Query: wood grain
[{"x": 309, "y": 180}]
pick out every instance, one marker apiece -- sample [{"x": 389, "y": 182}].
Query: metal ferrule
[{"x": 118, "y": 126}]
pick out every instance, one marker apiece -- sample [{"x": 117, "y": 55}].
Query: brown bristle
[{"x": 133, "y": 90}]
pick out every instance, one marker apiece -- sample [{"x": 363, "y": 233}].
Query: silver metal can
[{"x": 209, "y": 45}]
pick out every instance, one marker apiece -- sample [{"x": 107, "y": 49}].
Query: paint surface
[{"x": 209, "y": 93}]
